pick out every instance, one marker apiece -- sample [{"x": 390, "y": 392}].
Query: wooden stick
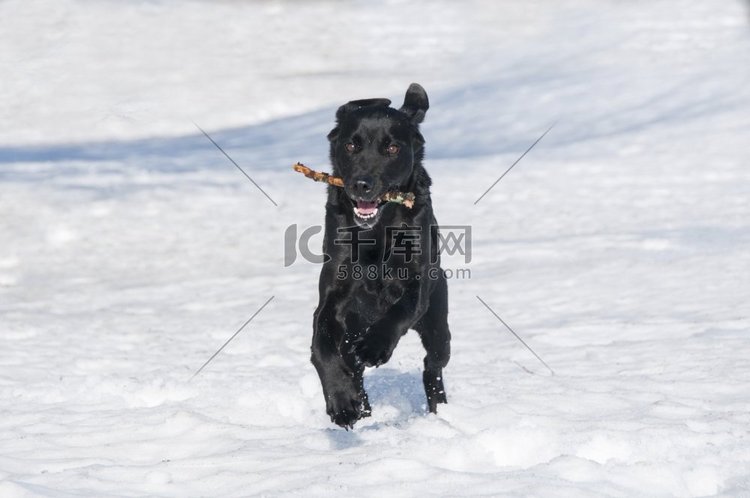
[
  {"x": 318, "y": 176},
  {"x": 405, "y": 198}
]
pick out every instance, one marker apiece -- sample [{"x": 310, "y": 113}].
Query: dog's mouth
[{"x": 366, "y": 210}]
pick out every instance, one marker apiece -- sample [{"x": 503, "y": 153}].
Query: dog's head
[{"x": 374, "y": 148}]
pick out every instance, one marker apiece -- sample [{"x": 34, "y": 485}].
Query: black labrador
[{"x": 382, "y": 272}]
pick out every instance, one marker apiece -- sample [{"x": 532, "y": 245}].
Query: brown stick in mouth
[{"x": 405, "y": 198}]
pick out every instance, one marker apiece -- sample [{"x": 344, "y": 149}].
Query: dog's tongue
[{"x": 365, "y": 207}]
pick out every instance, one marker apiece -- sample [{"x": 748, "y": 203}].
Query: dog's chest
[{"x": 372, "y": 298}]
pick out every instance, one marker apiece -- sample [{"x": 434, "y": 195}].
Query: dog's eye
[
  {"x": 393, "y": 149},
  {"x": 350, "y": 147}
]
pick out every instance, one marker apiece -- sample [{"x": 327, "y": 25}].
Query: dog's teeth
[{"x": 365, "y": 216}]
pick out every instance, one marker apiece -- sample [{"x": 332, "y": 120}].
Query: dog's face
[{"x": 373, "y": 148}]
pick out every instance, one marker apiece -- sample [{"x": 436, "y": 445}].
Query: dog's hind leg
[{"x": 436, "y": 339}]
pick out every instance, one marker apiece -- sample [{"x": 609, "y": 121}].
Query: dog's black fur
[{"x": 360, "y": 318}]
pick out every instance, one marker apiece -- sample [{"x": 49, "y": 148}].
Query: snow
[{"x": 619, "y": 248}]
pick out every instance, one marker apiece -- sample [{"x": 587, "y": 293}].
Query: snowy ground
[{"x": 130, "y": 249}]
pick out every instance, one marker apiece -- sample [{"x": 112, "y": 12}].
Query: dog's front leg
[
  {"x": 376, "y": 346},
  {"x": 340, "y": 375}
]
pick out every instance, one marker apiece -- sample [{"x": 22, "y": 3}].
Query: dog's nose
[{"x": 363, "y": 186}]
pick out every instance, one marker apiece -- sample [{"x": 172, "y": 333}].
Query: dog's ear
[
  {"x": 353, "y": 105},
  {"x": 415, "y": 103}
]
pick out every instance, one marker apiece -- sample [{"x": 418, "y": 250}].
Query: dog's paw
[
  {"x": 345, "y": 410},
  {"x": 372, "y": 349},
  {"x": 435, "y": 390}
]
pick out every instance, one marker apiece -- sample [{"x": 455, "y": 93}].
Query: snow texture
[{"x": 131, "y": 249}]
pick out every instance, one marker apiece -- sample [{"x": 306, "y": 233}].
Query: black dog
[{"x": 382, "y": 276}]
